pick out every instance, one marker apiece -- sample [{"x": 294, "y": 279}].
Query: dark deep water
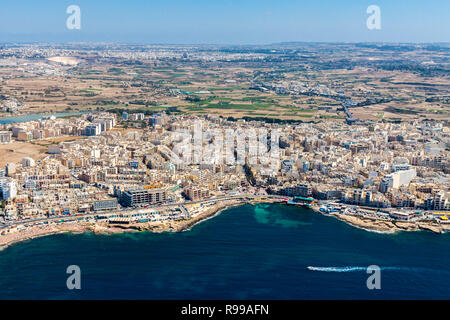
[{"x": 248, "y": 252}]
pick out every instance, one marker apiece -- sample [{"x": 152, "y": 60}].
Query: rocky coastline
[
  {"x": 363, "y": 222},
  {"x": 107, "y": 228},
  {"x": 388, "y": 226}
]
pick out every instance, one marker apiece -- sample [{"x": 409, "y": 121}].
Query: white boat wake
[{"x": 350, "y": 268}]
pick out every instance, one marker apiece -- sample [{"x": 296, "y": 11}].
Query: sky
[{"x": 224, "y": 21}]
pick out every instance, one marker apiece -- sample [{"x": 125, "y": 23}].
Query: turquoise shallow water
[
  {"x": 30, "y": 117},
  {"x": 247, "y": 252}
]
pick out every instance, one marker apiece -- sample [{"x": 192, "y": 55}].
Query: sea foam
[{"x": 351, "y": 268}]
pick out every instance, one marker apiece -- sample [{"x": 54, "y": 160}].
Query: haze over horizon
[{"x": 225, "y": 22}]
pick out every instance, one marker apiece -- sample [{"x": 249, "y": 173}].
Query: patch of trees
[
  {"x": 269, "y": 120},
  {"x": 249, "y": 174}
]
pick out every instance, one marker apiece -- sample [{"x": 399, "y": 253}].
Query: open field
[
  {"x": 14, "y": 152},
  {"x": 47, "y": 142},
  {"x": 290, "y": 81}
]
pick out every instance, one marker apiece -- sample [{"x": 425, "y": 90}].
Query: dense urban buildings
[
  {"x": 166, "y": 133},
  {"x": 379, "y": 165}
]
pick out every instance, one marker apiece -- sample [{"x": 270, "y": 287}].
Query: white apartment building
[
  {"x": 28, "y": 162},
  {"x": 397, "y": 179},
  {"x": 5, "y": 136},
  {"x": 8, "y": 189}
]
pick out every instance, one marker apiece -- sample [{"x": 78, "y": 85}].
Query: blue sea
[{"x": 266, "y": 251}]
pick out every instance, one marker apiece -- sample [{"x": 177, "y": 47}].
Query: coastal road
[{"x": 136, "y": 210}]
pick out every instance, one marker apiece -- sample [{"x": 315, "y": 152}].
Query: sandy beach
[{"x": 39, "y": 231}]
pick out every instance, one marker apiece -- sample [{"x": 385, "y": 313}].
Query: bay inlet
[
  {"x": 265, "y": 251},
  {"x": 31, "y": 117}
]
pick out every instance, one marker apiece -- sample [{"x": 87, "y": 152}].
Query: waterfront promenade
[{"x": 173, "y": 217}]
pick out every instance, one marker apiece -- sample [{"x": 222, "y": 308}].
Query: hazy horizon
[
  {"x": 225, "y": 44},
  {"x": 232, "y": 22}
]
